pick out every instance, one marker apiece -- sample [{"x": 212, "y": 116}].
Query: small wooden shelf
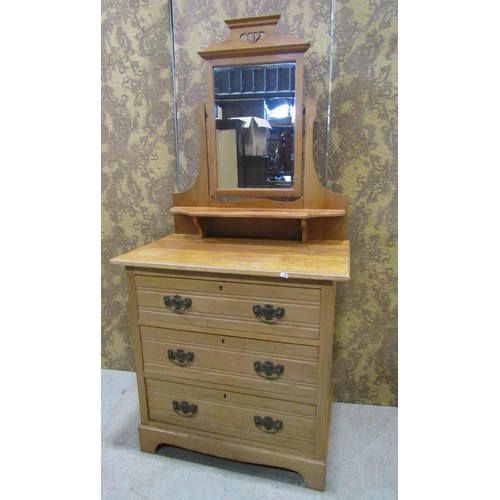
[
  {"x": 276, "y": 223},
  {"x": 263, "y": 213}
]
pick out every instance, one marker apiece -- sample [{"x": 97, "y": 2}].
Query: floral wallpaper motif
[
  {"x": 138, "y": 151},
  {"x": 364, "y": 166},
  {"x": 354, "y": 81}
]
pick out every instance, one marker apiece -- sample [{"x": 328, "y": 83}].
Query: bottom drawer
[{"x": 276, "y": 423}]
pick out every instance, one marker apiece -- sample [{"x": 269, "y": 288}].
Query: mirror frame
[{"x": 253, "y": 41}]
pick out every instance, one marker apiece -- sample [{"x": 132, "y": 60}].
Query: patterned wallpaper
[
  {"x": 138, "y": 151},
  {"x": 354, "y": 81}
]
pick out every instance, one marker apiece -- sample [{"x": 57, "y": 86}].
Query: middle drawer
[{"x": 255, "y": 364}]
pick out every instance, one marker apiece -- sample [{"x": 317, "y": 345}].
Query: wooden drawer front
[
  {"x": 229, "y": 305},
  {"x": 261, "y": 365},
  {"x": 233, "y": 414}
]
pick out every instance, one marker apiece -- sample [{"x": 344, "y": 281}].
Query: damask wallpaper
[{"x": 151, "y": 83}]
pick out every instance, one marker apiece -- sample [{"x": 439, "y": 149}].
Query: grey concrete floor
[{"x": 362, "y": 461}]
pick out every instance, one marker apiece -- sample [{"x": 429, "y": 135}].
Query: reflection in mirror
[{"x": 255, "y": 117}]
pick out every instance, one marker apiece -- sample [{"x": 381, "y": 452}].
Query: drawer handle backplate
[
  {"x": 184, "y": 409},
  {"x": 268, "y": 369},
  {"x": 268, "y": 313},
  {"x": 180, "y": 357},
  {"x": 177, "y": 303},
  {"x": 267, "y": 424}
]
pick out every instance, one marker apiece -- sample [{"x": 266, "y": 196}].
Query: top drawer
[{"x": 251, "y": 307}]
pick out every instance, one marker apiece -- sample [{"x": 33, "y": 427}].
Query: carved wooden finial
[
  {"x": 247, "y": 22},
  {"x": 254, "y": 35}
]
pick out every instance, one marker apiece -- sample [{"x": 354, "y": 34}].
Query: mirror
[
  {"x": 255, "y": 83},
  {"x": 254, "y": 111}
]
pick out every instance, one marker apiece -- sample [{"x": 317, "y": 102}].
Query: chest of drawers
[
  {"x": 232, "y": 316},
  {"x": 233, "y": 356}
]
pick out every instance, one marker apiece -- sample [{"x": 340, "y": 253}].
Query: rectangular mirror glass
[{"x": 255, "y": 110}]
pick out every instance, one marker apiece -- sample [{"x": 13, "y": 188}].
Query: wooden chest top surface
[{"x": 323, "y": 260}]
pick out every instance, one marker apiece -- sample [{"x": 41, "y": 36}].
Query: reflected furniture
[{"x": 233, "y": 314}]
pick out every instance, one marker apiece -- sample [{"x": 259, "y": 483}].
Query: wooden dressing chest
[
  {"x": 233, "y": 315},
  {"x": 234, "y": 349}
]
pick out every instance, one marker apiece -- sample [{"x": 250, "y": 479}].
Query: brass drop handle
[
  {"x": 184, "y": 409},
  {"x": 177, "y": 303},
  {"x": 180, "y": 357},
  {"x": 268, "y": 313},
  {"x": 268, "y": 369},
  {"x": 267, "y": 424}
]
